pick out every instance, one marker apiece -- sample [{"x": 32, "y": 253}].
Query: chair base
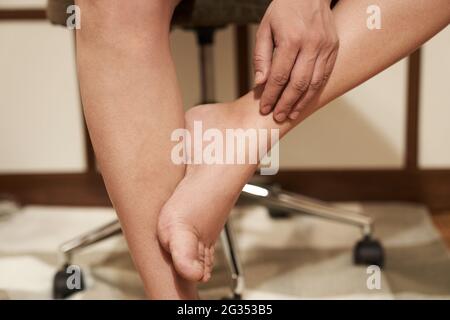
[
  {"x": 67, "y": 250},
  {"x": 367, "y": 251}
]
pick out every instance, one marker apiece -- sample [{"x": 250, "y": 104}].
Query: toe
[
  {"x": 212, "y": 251},
  {"x": 207, "y": 277},
  {"x": 207, "y": 269},
  {"x": 186, "y": 257},
  {"x": 210, "y": 260},
  {"x": 201, "y": 252}
]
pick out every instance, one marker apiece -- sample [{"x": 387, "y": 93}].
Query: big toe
[{"x": 188, "y": 255}]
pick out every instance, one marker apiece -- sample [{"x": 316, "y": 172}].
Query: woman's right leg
[{"x": 132, "y": 104}]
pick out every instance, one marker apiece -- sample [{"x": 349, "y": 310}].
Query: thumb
[{"x": 262, "y": 57}]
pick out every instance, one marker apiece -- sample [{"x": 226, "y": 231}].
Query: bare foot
[{"x": 192, "y": 219}]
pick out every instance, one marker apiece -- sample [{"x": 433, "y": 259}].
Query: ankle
[
  {"x": 244, "y": 112},
  {"x": 247, "y": 109}
]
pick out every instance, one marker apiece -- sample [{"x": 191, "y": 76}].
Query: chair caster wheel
[
  {"x": 61, "y": 289},
  {"x": 235, "y": 296},
  {"x": 368, "y": 252},
  {"x": 279, "y": 214}
]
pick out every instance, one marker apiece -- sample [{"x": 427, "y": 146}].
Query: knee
[{"x": 130, "y": 17}]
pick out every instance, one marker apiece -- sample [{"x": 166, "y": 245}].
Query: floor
[
  {"x": 441, "y": 220},
  {"x": 301, "y": 257}
]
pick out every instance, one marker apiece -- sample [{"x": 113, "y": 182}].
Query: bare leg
[
  {"x": 190, "y": 224},
  {"x": 132, "y": 104}
]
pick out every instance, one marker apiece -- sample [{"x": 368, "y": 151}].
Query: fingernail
[
  {"x": 266, "y": 109},
  {"x": 259, "y": 77},
  {"x": 280, "y": 117},
  {"x": 294, "y": 115}
]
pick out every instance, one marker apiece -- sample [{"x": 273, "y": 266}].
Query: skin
[
  {"x": 295, "y": 51},
  {"x": 190, "y": 224}
]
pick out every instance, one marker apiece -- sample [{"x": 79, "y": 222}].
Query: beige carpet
[{"x": 296, "y": 258}]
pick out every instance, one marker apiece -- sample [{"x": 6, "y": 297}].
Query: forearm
[{"x": 363, "y": 53}]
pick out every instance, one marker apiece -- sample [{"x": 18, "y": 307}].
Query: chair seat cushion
[{"x": 190, "y": 13}]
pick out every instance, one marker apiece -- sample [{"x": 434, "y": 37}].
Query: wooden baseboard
[
  {"x": 23, "y": 14},
  {"x": 430, "y": 187},
  {"x": 56, "y": 189}
]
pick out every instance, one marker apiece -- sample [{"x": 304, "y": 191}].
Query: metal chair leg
[
  {"x": 61, "y": 287},
  {"x": 67, "y": 249},
  {"x": 367, "y": 251},
  {"x": 230, "y": 250},
  {"x": 281, "y": 199}
]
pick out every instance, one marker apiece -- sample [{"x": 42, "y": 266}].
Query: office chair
[{"x": 204, "y": 17}]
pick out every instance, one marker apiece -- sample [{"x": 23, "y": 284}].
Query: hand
[{"x": 296, "y": 48}]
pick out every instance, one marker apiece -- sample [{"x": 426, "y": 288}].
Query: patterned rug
[{"x": 300, "y": 257}]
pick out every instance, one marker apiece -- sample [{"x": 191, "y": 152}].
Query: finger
[
  {"x": 301, "y": 76},
  {"x": 283, "y": 62},
  {"x": 333, "y": 48},
  {"x": 314, "y": 88},
  {"x": 330, "y": 66},
  {"x": 263, "y": 52}
]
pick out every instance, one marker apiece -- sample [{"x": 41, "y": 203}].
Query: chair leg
[
  {"x": 233, "y": 261},
  {"x": 280, "y": 199},
  {"x": 67, "y": 249},
  {"x": 61, "y": 286},
  {"x": 367, "y": 251}
]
